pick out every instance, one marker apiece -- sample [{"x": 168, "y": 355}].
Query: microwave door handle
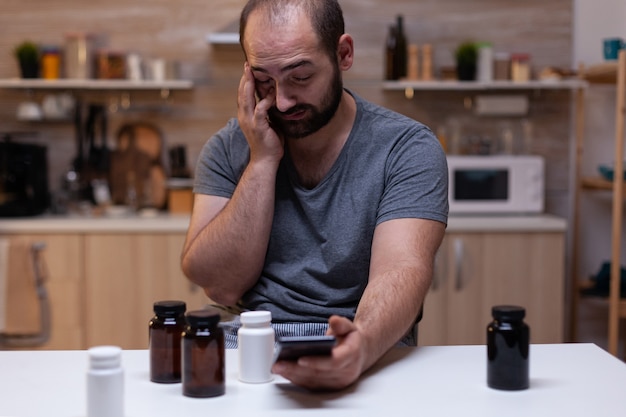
[{"x": 458, "y": 263}]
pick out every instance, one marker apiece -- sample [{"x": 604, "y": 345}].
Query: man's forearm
[
  {"x": 401, "y": 269},
  {"x": 225, "y": 256},
  {"x": 388, "y": 309}
]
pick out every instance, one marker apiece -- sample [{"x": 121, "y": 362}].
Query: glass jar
[
  {"x": 203, "y": 355},
  {"x": 520, "y": 67},
  {"x": 508, "y": 348},
  {"x": 78, "y": 56},
  {"x": 50, "y": 62},
  {"x": 165, "y": 333},
  {"x": 501, "y": 66}
]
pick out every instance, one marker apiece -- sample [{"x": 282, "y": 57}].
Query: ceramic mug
[
  {"x": 612, "y": 47},
  {"x": 29, "y": 110}
]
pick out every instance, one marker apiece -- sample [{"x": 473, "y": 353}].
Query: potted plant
[
  {"x": 27, "y": 54},
  {"x": 466, "y": 55}
]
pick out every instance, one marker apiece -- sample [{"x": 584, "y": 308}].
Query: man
[{"x": 314, "y": 204}]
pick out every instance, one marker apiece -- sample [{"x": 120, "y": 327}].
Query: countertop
[
  {"x": 573, "y": 380},
  {"x": 168, "y": 223}
]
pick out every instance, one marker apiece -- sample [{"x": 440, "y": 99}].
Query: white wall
[{"x": 595, "y": 20}]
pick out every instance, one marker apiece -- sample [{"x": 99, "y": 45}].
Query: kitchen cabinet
[
  {"x": 125, "y": 273},
  {"x": 608, "y": 73},
  {"x": 105, "y": 274},
  {"x": 475, "y": 270},
  {"x": 63, "y": 256}
]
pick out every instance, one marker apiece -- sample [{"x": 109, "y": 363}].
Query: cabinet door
[
  {"x": 452, "y": 310},
  {"x": 466, "y": 320},
  {"x": 527, "y": 269},
  {"x": 475, "y": 271},
  {"x": 432, "y": 329},
  {"x": 63, "y": 271},
  {"x": 125, "y": 275}
]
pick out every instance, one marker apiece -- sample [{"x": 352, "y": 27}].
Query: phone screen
[{"x": 292, "y": 348}]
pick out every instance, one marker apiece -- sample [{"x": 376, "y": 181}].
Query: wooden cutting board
[{"x": 139, "y": 160}]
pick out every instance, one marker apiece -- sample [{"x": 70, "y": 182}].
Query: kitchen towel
[
  {"x": 4, "y": 260},
  {"x": 19, "y": 304}
]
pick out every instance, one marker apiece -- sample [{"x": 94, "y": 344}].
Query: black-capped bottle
[
  {"x": 165, "y": 333},
  {"x": 203, "y": 355},
  {"x": 401, "y": 55},
  {"x": 508, "y": 349},
  {"x": 390, "y": 54}
]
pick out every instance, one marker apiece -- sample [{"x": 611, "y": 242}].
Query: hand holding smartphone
[{"x": 292, "y": 348}]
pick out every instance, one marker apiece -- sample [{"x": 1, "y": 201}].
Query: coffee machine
[{"x": 23, "y": 179}]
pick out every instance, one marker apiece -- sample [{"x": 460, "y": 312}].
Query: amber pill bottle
[
  {"x": 508, "y": 349},
  {"x": 203, "y": 355},
  {"x": 165, "y": 333}
]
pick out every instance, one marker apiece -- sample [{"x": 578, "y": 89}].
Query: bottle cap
[
  {"x": 508, "y": 312},
  {"x": 256, "y": 317},
  {"x": 105, "y": 357},
  {"x": 520, "y": 57},
  {"x": 169, "y": 308},
  {"x": 203, "y": 318}
]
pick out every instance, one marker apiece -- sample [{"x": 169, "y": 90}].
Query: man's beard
[{"x": 295, "y": 129}]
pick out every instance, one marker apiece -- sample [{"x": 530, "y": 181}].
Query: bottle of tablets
[
  {"x": 105, "y": 382},
  {"x": 165, "y": 333},
  {"x": 255, "y": 340},
  {"x": 508, "y": 348},
  {"x": 203, "y": 355}
]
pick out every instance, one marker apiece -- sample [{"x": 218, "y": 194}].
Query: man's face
[
  {"x": 310, "y": 117},
  {"x": 288, "y": 62}
]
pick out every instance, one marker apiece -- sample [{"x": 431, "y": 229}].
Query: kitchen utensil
[
  {"x": 57, "y": 106},
  {"x": 98, "y": 150},
  {"x": 29, "y": 110},
  {"x": 139, "y": 162}
]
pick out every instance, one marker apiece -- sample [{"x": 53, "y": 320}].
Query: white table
[{"x": 566, "y": 380}]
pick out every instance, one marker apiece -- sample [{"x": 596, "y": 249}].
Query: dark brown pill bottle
[
  {"x": 165, "y": 333},
  {"x": 203, "y": 354},
  {"x": 508, "y": 346}
]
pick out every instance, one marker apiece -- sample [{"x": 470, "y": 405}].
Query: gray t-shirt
[{"x": 317, "y": 262}]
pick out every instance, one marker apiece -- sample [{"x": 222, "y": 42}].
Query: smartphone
[{"x": 292, "y": 347}]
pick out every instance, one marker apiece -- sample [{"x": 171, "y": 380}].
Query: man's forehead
[{"x": 291, "y": 38}]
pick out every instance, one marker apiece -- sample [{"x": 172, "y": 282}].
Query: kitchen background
[{"x": 558, "y": 34}]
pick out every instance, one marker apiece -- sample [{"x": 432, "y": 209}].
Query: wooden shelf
[
  {"x": 613, "y": 73},
  {"x": 605, "y": 73},
  {"x": 604, "y": 299},
  {"x": 568, "y": 84},
  {"x": 75, "y": 84},
  {"x": 597, "y": 183}
]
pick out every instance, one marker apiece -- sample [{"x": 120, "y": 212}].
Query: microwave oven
[{"x": 496, "y": 184}]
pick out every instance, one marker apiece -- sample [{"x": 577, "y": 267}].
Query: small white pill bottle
[
  {"x": 105, "y": 382},
  {"x": 255, "y": 340}
]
